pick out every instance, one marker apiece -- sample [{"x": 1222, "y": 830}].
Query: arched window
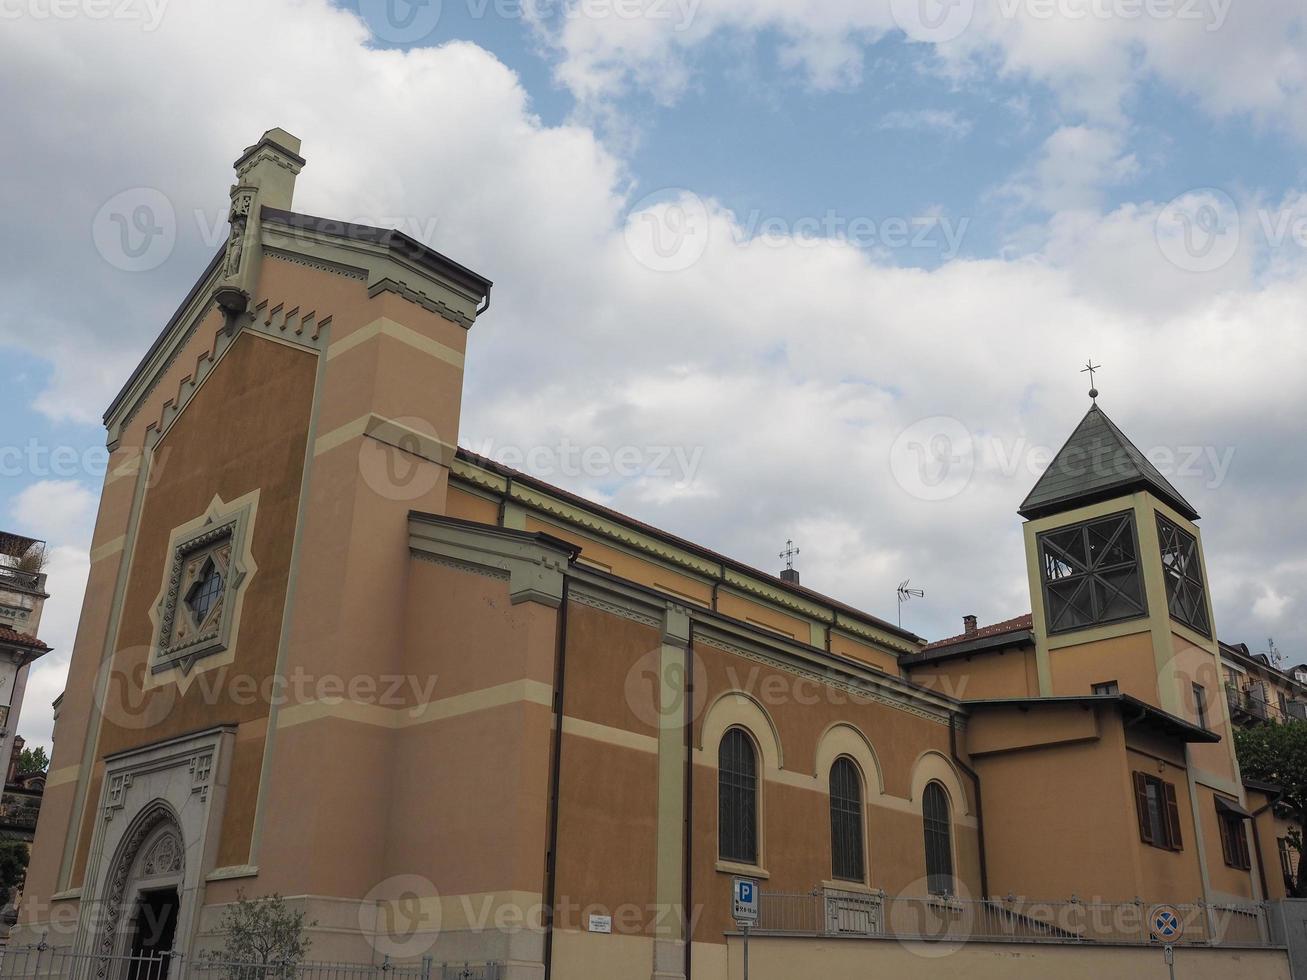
[
  {"x": 846, "y": 821},
  {"x": 737, "y": 798},
  {"x": 939, "y": 847}
]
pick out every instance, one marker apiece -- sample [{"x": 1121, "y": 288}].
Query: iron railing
[
  {"x": 829, "y": 912},
  {"x": 9, "y": 575},
  {"x": 48, "y": 963},
  {"x": 1247, "y": 704}
]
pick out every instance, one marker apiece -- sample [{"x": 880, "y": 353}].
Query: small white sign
[
  {"x": 744, "y": 903},
  {"x": 601, "y": 923}
]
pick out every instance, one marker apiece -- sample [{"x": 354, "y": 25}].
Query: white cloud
[
  {"x": 1231, "y": 58},
  {"x": 1270, "y": 605},
  {"x": 786, "y": 367},
  {"x": 62, "y": 506}
]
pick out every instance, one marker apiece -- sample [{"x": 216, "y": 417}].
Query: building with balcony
[
  {"x": 1261, "y": 693},
  {"x": 22, "y": 600}
]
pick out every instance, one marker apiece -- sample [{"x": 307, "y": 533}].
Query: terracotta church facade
[{"x": 563, "y": 710}]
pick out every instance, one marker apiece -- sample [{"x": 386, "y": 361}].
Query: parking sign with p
[{"x": 744, "y": 904}]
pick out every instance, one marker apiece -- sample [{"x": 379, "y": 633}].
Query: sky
[{"x": 820, "y": 270}]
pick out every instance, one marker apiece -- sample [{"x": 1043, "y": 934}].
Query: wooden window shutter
[
  {"x": 1141, "y": 806},
  {"x": 1227, "y": 849},
  {"x": 1173, "y": 818}
]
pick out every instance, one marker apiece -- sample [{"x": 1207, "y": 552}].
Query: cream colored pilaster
[
  {"x": 819, "y": 632},
  {"x": 514, "y": 516},
  {"x": 669, "y": 940}
]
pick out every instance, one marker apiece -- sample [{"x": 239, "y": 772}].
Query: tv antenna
[
  {"x": 905, "y": 593},
  {"x": 1273, "y": 654}
]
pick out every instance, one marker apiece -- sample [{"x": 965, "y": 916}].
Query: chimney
[
  {"x": 790, "y": 575},
  {"x": 969, "y": 625},
  {"x": 271, "y": 165},
  {"x": 265, "y": 178}
]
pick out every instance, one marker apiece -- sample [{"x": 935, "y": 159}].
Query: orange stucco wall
[
  {"x": 222, "y": 444},
  {"x": 1008, "y": 673},
  {"x": 1128, "y": 660}
]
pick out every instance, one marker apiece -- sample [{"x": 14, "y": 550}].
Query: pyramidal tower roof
[{"x": 1098, "y": 462}]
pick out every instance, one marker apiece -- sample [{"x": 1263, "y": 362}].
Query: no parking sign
[{"x": 1165, "y": 924}]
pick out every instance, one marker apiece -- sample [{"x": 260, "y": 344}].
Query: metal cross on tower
[
  {"x": 1090, "y": 367},
  {"x": 789, "y": 553}
]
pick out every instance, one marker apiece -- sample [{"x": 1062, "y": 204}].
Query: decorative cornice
[
  {"x": 613, "y": 531},
  {"x": 162, "y": 371},
  {"x": 463, "y": 566},
  {"x": 301, "y": 329},
  {"x": 866, "y": 688},
  {"x": 317, "y": 264},
  {"x": 535, "y": 563},
  {"x": 420, "y": 298},
  {"x": 617, "y": 608},
  {"x": 680, "y": 560}
]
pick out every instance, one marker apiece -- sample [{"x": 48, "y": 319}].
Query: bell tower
[
  {"x": 1121, "y": 605},
  {"x": 1118, "y": 584}
]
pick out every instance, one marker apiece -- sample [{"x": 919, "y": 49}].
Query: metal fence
[
  {"x": 828, "y": 912},
  {"x": 47, "y": 963},
  {"x": 1252, "y": 703}
]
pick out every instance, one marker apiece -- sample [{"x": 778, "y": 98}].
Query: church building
[{"x": 452, "y": 711}]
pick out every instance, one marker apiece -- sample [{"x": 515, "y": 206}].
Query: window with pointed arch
[
  {"x": 939, "y": 840},
  {"x": 847, "y": 855},
  {"x": 737, "y": 798}
]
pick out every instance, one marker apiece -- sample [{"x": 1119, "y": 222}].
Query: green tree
[
  {"x": 13, "y": 868},
  {"x": 1278, "y": 754},
  {"x": 261, "y": 932},
  {"x": 33, "y": 760}
]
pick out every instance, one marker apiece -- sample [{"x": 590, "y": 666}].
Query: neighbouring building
[
  {"x": 1260, "y": 693},
  {"x": 22, "y": 600},
  {"x": 455, "y": 711},
  {"x": 20, "y": 805}
]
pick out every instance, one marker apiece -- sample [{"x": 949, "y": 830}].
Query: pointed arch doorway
[{"x": 142, "y": 899}]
